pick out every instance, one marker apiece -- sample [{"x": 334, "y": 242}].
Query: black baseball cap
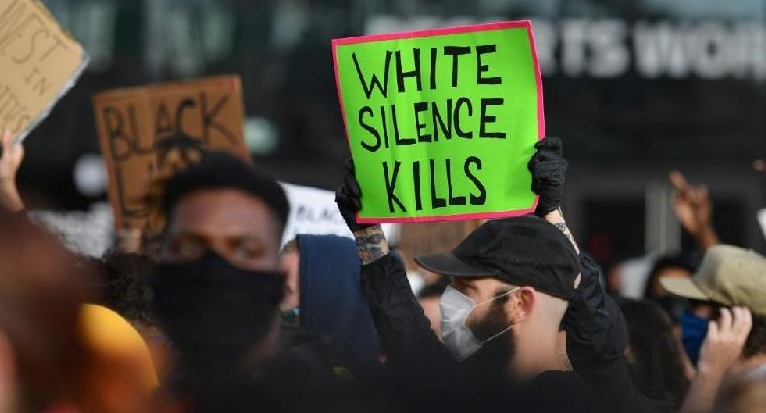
[{"x": 523, "y": 251}]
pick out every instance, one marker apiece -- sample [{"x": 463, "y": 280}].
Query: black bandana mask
[{"x": 209, "y": 303}]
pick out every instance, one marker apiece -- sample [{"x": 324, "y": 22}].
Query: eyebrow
[
  {"x": 246, "y": 238},
  {"x": 464, "y": 284},
  {"x": 204, "y": 236},
  {"x": 502, "y": 291}
]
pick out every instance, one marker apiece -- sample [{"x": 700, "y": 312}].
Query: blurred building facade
[{"x": 635, "y": 88}]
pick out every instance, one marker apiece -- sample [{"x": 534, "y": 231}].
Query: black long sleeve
[
  {"x": 596, "y": 341},
  {"x": 404, "y": 330}
]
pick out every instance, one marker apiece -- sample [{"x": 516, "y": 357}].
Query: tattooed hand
[{"x": 371, "y": 243}]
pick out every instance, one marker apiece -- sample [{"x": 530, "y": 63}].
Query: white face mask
[{"x": 458, "y": 338}]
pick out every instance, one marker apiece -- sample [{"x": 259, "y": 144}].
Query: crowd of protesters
[{"x": 517, "y": 317}]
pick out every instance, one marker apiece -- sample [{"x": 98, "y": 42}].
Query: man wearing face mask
[
  {"x": 728, "y": 294},
  {"x": 218, "y": 284},
  {"x": 512, "y": 280}
]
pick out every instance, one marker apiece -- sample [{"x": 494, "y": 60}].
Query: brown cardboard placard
[
  {"x": 147, "y": 133},
  {"x": 433, "y": 237},
  {"x": 39, "y": 63}
]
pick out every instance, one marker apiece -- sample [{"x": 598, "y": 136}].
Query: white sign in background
[{"x": 312, "y": 211}]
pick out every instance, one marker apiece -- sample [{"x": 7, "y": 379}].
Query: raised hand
[
  {"x": 694, "y": 210},
  {"x": 725, "y": 340},
  {"x": 722, "y": 347},
  {"x": 549, "y": 171},
  {"x": 10, "y": 160},
  {"x": 348, "y": 197}
]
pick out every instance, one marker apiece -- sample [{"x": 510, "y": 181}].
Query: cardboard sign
[
  {"x": 313, "y": 211},
  {"x": 39, "y": 63},
  {"x": 148, "y": 133},
  {"x": 432, "y": 238},
  {"x": 442, "y": 123}
]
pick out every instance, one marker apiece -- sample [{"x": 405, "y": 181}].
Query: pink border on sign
[{"x": 525, "y": 24}]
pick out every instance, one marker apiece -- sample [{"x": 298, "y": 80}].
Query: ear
[{"x": 522, "y": 302}]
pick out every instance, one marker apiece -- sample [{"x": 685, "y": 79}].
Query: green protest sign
[{"x": 441, "y": 123}]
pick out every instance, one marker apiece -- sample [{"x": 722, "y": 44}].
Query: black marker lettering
[
  {"x": 416, "y": 181},
  {"x": 391, "y": 186},
  {"x": 397, "y": 139},
  {"x": 374, "y": 81},
  {"x": 439, "y": 123},
  {"x": 453, "y": 200},
  {"x": 401, "y": 75},
  {"x": 455, "y": 52},
  {"x": 421, "y": 107},
  {"x": 482, "y": 197},
  {"x": 208, "y": 119},
  {"x": 119, "y": 141},
  {"x": 485, "y": 119},
  {"x": 480, "y": 68},
  {"x": 433, "y": 68},
  {"x": 374, "y": 147},
  {"x": 460, "y": 132},
  {"x": 185, "y": 104},
  {"x": 436, "y": 202}
]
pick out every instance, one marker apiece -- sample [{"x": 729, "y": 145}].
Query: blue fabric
[
  {"x": 693, "y": 332},
  {"x": 331, "y": 300}
]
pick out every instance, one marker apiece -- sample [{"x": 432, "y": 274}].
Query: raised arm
[
  {"x": 10, "y": 160},
  {"x": 596, "y": 334},
  {"x": 694, "y": 210},
  {"x": 405, "y": 333},
  {"x": 722, "y": 347}
]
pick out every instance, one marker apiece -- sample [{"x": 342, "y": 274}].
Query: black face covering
[
  {"x": 673, "y": 306},
  {"x": 208, "y": 305}
]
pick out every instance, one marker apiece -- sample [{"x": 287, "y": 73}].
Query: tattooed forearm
[
  {"x": 557, "y": 219},
  {"x": 371, "y": 243}
]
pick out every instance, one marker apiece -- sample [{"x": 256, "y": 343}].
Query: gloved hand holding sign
[
  {"x": 349, "y": 198},
  {"x": 549, "y": 171}
]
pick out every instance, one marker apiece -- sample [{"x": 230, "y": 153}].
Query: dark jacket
[
  {"x": 331, "y": 300},
  {"x": 596, "y": 340},
  {"x": 596, "y": 335},
  {"x": 405, "y": 333}
]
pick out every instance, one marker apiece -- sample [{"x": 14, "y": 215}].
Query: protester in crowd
[
  {"x": 517, "y": 303},
  {"x": 118, "y": 373},
  {"x": 654, "y": 355},
  {"x": 731, "y": 286},
  {"x": 511, "y": 318},
  {"x": 669, "y": 265},
  {"x": 323, "y": 296},
  {"x": 219, "y": 283},
  {"x": 41, "y": 288},
  {"x": 126, "y": 289}
]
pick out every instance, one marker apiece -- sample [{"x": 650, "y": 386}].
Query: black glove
[
  {"x": 348, "y": 197},
  {"x": 549, "y": 171}
]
